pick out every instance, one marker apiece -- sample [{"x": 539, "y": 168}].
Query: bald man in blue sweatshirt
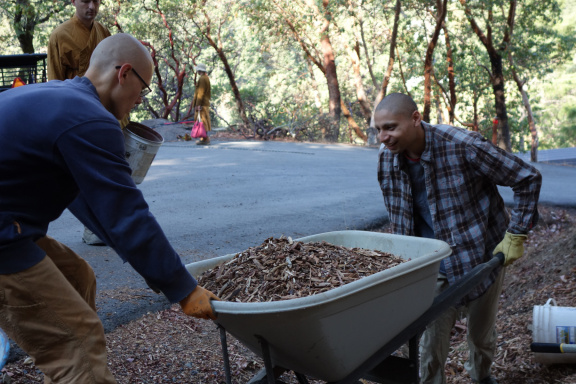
[{"x": 61, "y": 147}]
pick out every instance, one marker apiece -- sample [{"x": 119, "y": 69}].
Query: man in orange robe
[{"x": 71, "y": 44}]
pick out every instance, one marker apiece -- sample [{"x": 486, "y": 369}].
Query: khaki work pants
[
  {"x": 49, "y": 311},
  {"x": 435, "y": 342}
]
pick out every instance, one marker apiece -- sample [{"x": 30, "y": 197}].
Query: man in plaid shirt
[{"x": 439, "y": 181}]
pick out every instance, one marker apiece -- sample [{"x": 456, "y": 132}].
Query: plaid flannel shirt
[{"x": 462, "y": 170}]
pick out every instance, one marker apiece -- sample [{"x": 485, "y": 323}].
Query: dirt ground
[{"x": 168, "y": 347}]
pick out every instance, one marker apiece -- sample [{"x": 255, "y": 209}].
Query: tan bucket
[{"x": 142, "y": 144}]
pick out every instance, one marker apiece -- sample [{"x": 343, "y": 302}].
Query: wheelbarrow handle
[
  {"x": 501, "y": 257},
  {"x": 461, "y": 287},
  {"x": 443, "y": 301},
  {"x": 497, "y": 260}
]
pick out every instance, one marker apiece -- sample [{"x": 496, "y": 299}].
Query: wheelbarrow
[{"x": 349, "y": 332}]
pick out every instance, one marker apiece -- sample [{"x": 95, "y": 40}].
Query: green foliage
[
  {"x": 23, "y": 17},
  {"x": 556, "y": 109},
  {"x": 280, "y": 83},
  {"x": 555, "y": 100}
]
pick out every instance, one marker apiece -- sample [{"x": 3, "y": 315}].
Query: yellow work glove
[
  {"x": 197, "y": 303},
  {"x": 512, "y": 246}
]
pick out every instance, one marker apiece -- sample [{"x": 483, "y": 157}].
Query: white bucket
[
  {"x": 553, "y": 324},
  {"x": 142, "y": 144}
]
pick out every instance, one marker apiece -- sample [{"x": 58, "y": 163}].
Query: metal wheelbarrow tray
[{"x": 328, "y": 335}]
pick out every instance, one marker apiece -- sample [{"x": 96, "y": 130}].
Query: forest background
[{"x": 314, "y": 69}]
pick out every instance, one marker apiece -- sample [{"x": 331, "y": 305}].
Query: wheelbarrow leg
[
  {"x": 414, "y": 357},
  {"x": 301, "y": 378},
  {"x": 395, "y": 369},
  {"x": 271, "y": 371},
  {"x": 225, "y": 355},
  {"x": 267, "y": 360}
]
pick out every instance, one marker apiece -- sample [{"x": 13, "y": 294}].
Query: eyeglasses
[{"x": 143, "y": 92}]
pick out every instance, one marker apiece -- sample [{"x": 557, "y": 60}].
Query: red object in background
[
  {"x": 18, "y": 82},
  {"x": 495, "y": 131}
]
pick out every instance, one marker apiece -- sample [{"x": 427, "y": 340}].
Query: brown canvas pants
[
  {"x": 435, "y": 342},
  {"x": 49, "y": 311}
]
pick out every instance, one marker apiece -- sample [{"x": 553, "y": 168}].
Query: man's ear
[
  {"x": 416, "y": 118},
  {"x": 123, "y": 73}
]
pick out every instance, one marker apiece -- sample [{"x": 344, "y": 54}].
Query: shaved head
[
  {"x": 399, "y": 125},
  {"x": 120, "y": 69},
  {"x": 398, "y": 103},
  {"x": 119, "y": 49}
]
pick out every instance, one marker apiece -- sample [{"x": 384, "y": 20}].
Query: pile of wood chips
[{"x": 283, "y": 269}]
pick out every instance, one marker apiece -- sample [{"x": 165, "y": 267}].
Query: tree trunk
[
  {"x": 172, "y": 107},
  {"x": 360, "y": 94},
  {"x": 497, "y": 75},
  {"x": 525, "y": 99},
  {"x": 24, "y": 23},
  {"x": 391, "y": 56},
  {"x": 451, "y": 78},
  {"x": 231, "y": 79},
  {"x": 476, "y": 122},
  {"x": 335, "y": 109},
  {"x": 497, "y": 80},
  {"x": 439, "y": 117},
  {"x": 160, "y": 82},
  {"x": 402, "y": 73},
  {"x": 526, "y": 102},
  {"x": 26, "y": 18},
  {"x": 328, "y": 68},
  {"x": 368, "y": 61},
  {"x": 352, "y": 124},
  {"x": 372, "y": 139},
  {"x": 428, "y": 65},
  {"x": 180, "y": 70}
]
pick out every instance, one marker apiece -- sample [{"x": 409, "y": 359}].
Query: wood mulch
[{"x": 283, "y": 269}]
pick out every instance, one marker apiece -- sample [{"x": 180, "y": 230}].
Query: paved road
[{"x": 229, "y": 196}]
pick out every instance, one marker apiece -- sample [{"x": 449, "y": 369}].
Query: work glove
[
  {"x": 197, "y": 303},
  {"x": 512, "y": 246}
]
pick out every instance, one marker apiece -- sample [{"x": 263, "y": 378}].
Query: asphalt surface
[{"x": 223, "y": 198}]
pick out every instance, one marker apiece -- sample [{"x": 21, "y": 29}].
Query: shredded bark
[{"x": 283, "y": 269}]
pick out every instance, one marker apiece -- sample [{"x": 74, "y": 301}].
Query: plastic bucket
[
  {"x": 553, "y": 324},
  {"x": 142, "y": 144}
]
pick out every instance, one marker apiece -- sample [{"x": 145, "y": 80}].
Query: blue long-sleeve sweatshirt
[{"x": 59, "y": 148}]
